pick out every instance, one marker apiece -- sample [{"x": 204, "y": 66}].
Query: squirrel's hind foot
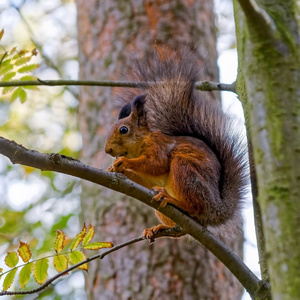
[
  {"x": 150, "y": 233},
  {"x": 163, "y": 196},
  {"x": 161, "y": 230}
]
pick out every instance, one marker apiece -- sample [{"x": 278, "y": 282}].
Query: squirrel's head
[{"x": 126, "y": 136}]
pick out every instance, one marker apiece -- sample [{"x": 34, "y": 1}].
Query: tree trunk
[
  {"x": 169, "y": 269},
  {"x": 269, "y": 84}
]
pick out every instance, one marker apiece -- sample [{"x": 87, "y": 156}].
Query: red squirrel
[{"x": 169, "y": 137}]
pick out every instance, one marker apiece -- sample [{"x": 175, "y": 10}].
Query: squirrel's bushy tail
[{"x": 175, "y": 107}]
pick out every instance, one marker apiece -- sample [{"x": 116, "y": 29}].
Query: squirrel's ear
[
  {"x": 125, "y": 111},
  {"x": 138, "y": 109}
]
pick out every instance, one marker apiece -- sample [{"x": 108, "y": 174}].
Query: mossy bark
[{"x": 269, "y": 73}]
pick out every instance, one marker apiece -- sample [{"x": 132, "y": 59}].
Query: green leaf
[
  {"x": 22, "y": 61},
  {"x": 23, "y": 96},
  {"x": 89, "y": 235},
  {"x": 5, "y": 62},
  {"x": 18, "y": 93},
  {"x": 31, "y": 87},
  {"x": 60, "y": 262},
  {"x": 76, "y": 257},
  {"x": 59, "y": 241},
  {"x": 24, "y": 275},
  {"x": 7, "y": 89},
  {"x": 78, "y": 238},
  {"x": 98, "y": 245},
  {"x": 40, "y": 270},
  {"x": 28, "y": 78},
  {"x": 8, "y": 76},
  {"x": 9, "y": 278},
  {"x": 11, "y": 259},
  {"x": 5, "y": 68},
  {"x": 28, "y": 68},
  {"x": 24, "y": 252}
]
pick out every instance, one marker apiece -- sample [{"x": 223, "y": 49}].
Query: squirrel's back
[{"x": 176, "y": 108}]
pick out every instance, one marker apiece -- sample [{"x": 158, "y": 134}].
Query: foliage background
[{"x": 34, "y": 204}]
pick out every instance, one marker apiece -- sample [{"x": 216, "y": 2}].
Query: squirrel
[{"x": 170, "y": 138}]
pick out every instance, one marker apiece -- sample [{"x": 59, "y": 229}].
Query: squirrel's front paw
[
  {"x": 118, "y": 165},
  {"x": 111, "y": 168}
]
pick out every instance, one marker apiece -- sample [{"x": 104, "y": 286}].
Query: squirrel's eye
[{"x": 123, "y": 130}]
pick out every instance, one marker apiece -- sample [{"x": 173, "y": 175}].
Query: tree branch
[
  {"x": 200, "y": 85},
  {"x": 118, "y": 182},
  {"x": 258, "y": 19}
]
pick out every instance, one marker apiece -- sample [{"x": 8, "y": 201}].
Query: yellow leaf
[
  {"x": 60, "y": 262},
  {"x": 78, "y": 238},
  {"x": 76, "y": 257},
  {"x": 20, "y": 54},
  {"x": 24, "y": 252},
  {"x": 1, "y": 270},
  {"x": 98, "y": 245},
  {"x": 9, "y": 278},
  {"x": 59, "y": 242},
  {"x": 24, "y": 275},
  {"x": 1, "y": 33},
  {"x": 11, "y": 259},
  {"x": 40, "y": 270},
  {"x": 89, "y": 235},
  {"x": 13, "y": 50}
]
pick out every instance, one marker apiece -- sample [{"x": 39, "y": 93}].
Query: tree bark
[
  {"x": 169, "y": 269},
  {"x": 269, "y": 72}
]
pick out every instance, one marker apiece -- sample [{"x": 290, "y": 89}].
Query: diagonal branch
[
  {"x": 200, "y": 85},
  {"x": 118, "y": 182},
  {"x": 260, "y": 22}
]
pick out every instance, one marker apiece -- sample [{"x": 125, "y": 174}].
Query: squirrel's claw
[
  {"x": 118, "y": 165},
  {"x": 148, "y": 234}
]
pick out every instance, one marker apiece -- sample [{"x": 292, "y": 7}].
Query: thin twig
[{"x": 200, "y": 85}]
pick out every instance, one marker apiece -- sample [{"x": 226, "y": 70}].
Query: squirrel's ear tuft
[{"x": 138, "y": 107}]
